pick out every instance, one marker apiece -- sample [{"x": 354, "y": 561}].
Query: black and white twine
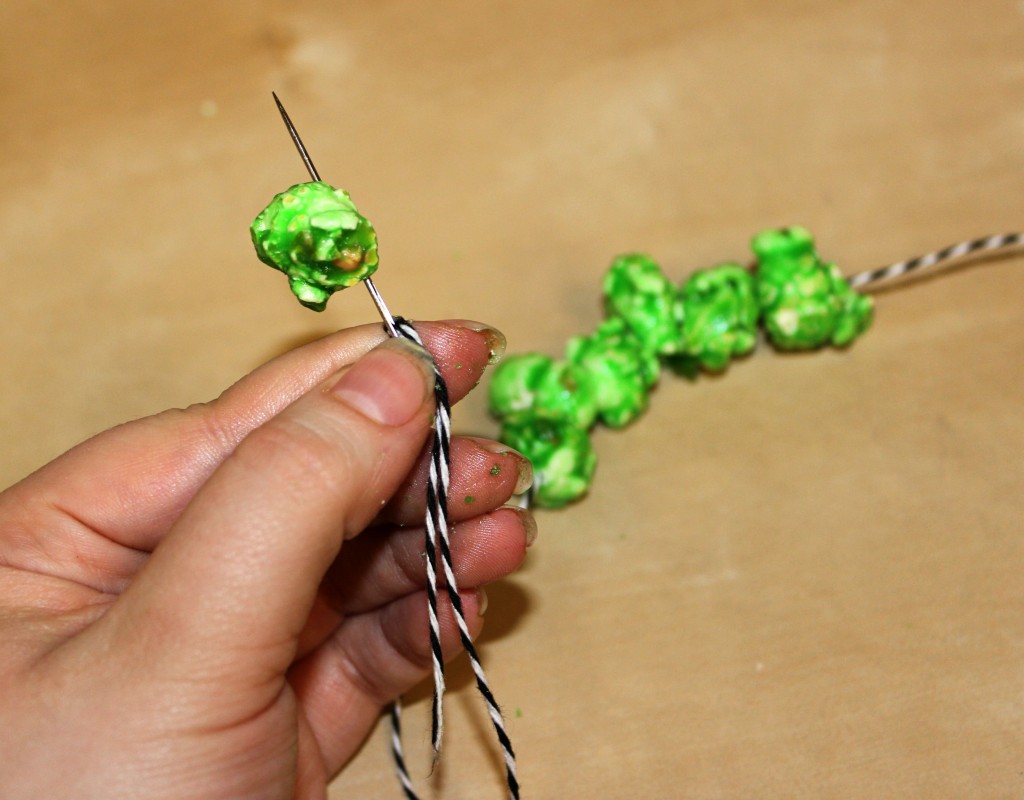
[
  {"x": 436, "y": 538},
  {"x": 436, "y": 523},
  {"x": 989, "y": 243},
  {"x": 396, "y": 751}
]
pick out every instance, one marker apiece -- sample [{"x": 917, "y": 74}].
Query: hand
[{"x": 185, "y": 608}]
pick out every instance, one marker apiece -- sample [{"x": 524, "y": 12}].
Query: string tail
[
  {"x": 436, "y": 656},
  {"x": 396, "y": 751},
  {"x": 493, "y": 710},
  {"x": 1001, "y": 241},
  {"x": 436, "y": 522},
  {"x": 437, "y": 534}
]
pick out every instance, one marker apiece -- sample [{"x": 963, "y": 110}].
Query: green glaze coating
[
  {"x": 546, "y": 407},
  {"x": 563, "y": 459},
  {"x": 533, "y": 382},
  {"x": 636, "y": 290},
  {"x": 618, "y": 368},
  {"x": 717, "y": 312},
  {"x": 805, "y": 302},
  {"x": 313, "y": 234}
]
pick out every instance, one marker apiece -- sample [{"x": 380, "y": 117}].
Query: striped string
[
  {"x": 396, "y": 751},
  {"x": 999, "y": 242},
  {"x": 436, "y": 523}
]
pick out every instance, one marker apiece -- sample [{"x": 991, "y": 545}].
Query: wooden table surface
[{"x": 800, "y": 579}]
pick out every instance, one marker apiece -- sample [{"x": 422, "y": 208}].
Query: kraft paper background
[{"x": 802, "y": 578}]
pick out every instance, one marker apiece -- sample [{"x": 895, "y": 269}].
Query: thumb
[{"x": 234, "y": 581}]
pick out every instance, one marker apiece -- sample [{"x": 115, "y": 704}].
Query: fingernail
[
  {"x": 389, "y": 384},
  {"x": 529, "y": 525},
  {"x": 481, "y": 600},
  {"x": 496, "y": 341},
  {"x": 525, "y": 478},
  {"x": 529, "y": 522}
]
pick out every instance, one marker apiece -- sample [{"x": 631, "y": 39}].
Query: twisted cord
[
  {"x": 999, "y": 242},
  {"x": 436, "y": 523},
  {"x": 396, "y": 751}
]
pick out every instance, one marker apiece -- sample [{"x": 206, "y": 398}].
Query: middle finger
[{"x": 484, "y": 475}]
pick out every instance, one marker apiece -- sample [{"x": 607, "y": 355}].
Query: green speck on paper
[
  {"x": 495, "y": 470},
  {"x": 519, "y": 713},
  {"x": 469, "y": 499}
]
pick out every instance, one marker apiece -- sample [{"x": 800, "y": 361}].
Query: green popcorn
[
  {"x": 313, "y": 234},
  {"x": 636, "y": 290},
  {"x": 563, "y": 459},
  {"x": 620, "y": 370},
  {"x": 805, "y": 302},
  {"x": 538, "y": 384},
  {"x": 858, "y": 310},
  {"x": 717, "y": 311},
  {"x": 779, "y": 247}
]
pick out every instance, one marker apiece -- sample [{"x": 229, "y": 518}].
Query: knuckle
[{"x": 301, "y": 455}]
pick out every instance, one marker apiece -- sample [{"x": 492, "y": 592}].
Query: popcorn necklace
[
  {"x": 797, "y": 301},
  {"x": 547, "y": 406},
  {"x": 313, "y": 233}
]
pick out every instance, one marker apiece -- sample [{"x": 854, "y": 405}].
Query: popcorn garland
[
  {"x": 547, "y": 406},
  {"x": 314, "y": 234}
]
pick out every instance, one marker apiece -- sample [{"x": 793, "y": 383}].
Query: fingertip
[
  {"x": 494, "y": 545},
  {"x": 462, "y": 350},
  {"x": 485, "y": 474},
  {"x": 528, "y": 522},
  {"x": 522, "y": 466},
  {"x": 496, "y": 341},
  {"x": 389, "y": 385}
]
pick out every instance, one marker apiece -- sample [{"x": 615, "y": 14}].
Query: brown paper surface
[{"x": 802, "y": 578}]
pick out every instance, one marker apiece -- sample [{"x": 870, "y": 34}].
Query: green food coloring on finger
[{"x": 314, "y": 234}]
